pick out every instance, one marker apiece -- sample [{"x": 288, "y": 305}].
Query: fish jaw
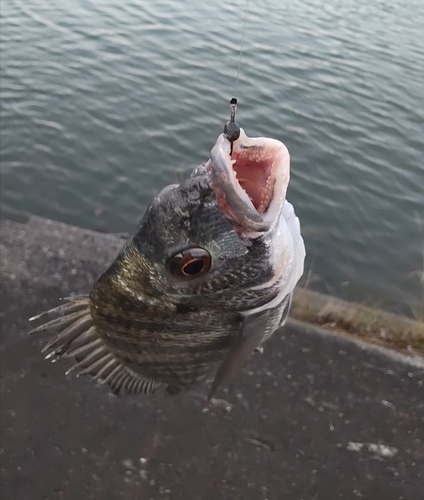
[{"x": 251, "y": 181}]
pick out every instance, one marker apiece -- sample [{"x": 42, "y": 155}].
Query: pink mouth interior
[{"x": 253, "y": 168}]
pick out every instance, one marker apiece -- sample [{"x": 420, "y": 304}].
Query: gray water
[{"x": 104, "y": 103}]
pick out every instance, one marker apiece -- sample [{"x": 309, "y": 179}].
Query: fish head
[{"x": 212, "y": 239}]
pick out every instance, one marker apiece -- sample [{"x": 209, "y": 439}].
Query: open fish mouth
[{"x": 251, "y": 181}]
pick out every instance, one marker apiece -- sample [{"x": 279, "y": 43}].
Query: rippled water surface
[{"x": 104, "y": 103}]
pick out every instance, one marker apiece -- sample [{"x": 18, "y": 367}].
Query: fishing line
[
  {"x": 242, "y": 44},
  {"x": 232, "y": 128}
]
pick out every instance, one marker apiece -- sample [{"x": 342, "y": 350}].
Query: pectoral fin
[
  {"x": 250, "y": 337},
  {"x": 256, "y": 329}
]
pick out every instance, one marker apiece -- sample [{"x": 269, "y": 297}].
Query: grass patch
[{"x": 369, "y": 324}]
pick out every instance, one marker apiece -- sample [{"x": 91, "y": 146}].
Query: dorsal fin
[{"x": 76, "y": 336}]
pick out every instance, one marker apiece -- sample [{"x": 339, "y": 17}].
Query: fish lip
[{"x": 232, "y": 198}]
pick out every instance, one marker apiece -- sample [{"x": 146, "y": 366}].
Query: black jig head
[{"x": 232, "y": 128}]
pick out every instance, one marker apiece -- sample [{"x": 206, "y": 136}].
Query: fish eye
[{"x": 190, "y": 263}]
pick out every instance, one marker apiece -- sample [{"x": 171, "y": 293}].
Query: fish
[{"x": 204, "y": 280}]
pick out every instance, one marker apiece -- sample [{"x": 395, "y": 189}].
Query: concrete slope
[{"x": 317, "y": 416}]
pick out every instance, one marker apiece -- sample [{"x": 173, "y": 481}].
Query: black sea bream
[{"x": 206, "y": 278}]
